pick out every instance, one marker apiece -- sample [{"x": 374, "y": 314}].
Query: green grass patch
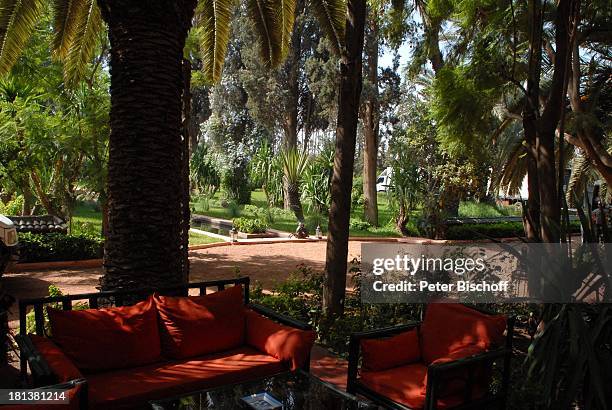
[
  {"x": 472, "y": 209},
  {"x": 198, "y": 239}
]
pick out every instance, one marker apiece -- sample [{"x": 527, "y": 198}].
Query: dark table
[{"x": 295, "y": 390}]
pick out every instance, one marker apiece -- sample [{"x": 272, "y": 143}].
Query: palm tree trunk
[
  {"x": 370, "y": 125},
  {"x": 342, "y": 179},
  {"x": 146, "y": 196}
]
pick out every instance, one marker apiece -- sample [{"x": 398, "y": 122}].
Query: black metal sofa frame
[{"x": 434, "y": 372}]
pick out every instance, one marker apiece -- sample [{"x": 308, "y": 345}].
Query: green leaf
[
  {"x": 332, "y": 17},
  {"x": 82, "y": 46},
  {"x": 264, "y": 14},
  {"x": 214, "y": 18},
  {"x": 18, "y": 19}
]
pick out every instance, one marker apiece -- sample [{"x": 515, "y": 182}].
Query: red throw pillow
[
  {"x": 60, "y": 364},
  {"x": 198, "y": 325},
  {"x": 449, "y": 326},
  {"x": 285, "y": 343},
  {"x": 382, "y": 354},
  {"x": 112, "y": 338},
  {"x": 454, "y": 381}
]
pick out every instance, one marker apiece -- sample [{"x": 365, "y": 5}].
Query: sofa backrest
[{"x": 116, "y": 298}]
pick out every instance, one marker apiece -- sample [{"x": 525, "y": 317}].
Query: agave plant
[{"x": 295, "y": 164}]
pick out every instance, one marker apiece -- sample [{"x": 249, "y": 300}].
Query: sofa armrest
[
  {"x": 279, "y": 317},
  {"x": 285, "y": 343},
  {"x": 48, "y": 363},
  {"x": 354, "y": 347},
  {"x": 40, "y": 369},
  {"x": 470, "y": 364}
]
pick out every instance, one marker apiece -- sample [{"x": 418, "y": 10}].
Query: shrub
[
  {"x": 359, "y": 225},
  {"x": 12, "y": 207},
  {"x": 59, "y": 247},
  {"x": 250, "y": 225},
  {"x": 492, "y": 230}
]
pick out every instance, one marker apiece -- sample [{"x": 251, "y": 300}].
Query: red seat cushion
[
  {"x": 406, "y": 385},
  {"x": 113, "y": 338},
  {"x": 197, "y": 325},
  {"x": 448, "y": 327},
  {"x": 382, "y": 354},
  {"x": 285, "y": 343},
  {"x": 133, "y": 388}
]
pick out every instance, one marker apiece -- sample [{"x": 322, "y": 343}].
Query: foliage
[
  {"x": 316, "y": 182},
  {"x": 247, "y": 225},
  {"x": 203, "y": 171},
  {"x": 54, "y": 291},
  {"x": 359, "y": 225},
  {"x": 13, "y": 206},
  {"x": 475, "y": 209},
  {"x": 266, "y": 172},
  {"x": 235, "y": 175},
  {"x": 357, "y": 191},
  {"x": 492, "y": 230},
  {"x": 58, "y": 247}
]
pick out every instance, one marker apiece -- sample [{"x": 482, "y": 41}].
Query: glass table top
[{"x": 294, "y": 390}]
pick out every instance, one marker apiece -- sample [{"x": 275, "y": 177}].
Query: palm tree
[
  {"x": 146, "y": 243},
  {"x": 295, "y": 164}
]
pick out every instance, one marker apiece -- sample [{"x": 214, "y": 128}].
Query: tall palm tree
[{"x": 147, "y": 196}]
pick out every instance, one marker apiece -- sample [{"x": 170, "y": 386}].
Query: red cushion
[
  {"x": 113, "y": 338},
  {"x": 197, "y": 325},
  {"x": 282, "y": 342},
  {"x": 406, "y": 385},
  {"x": 60, "y": 364},
  {"x": 133, "y": 388},
  {"x": 381, "y": 354},
  {"x": 448, "y": 327}
]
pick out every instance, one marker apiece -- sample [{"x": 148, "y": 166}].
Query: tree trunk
[
  {"x": 370, "y": 118},
  {"x": 550, "y": 209},
  {"x": 146, "y": 197},
  {"x": 342, "y": 179},
  {"x": 530, "y": 117}
]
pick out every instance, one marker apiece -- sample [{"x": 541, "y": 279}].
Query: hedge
[
  {"x": 59, "y": 247},
  {"x": 247, "y": 225},
  {"x": 493, "y": 230}
]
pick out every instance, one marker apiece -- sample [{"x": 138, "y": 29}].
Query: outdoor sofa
[
  {"x": 446, "y": 361},
  {"x": 162, "y": 346}
]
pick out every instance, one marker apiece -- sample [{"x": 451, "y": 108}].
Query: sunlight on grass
[{"x": 197, "y": 239}]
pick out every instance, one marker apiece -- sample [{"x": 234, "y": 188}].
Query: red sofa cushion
[
  {"x": 60, "y": 364},
  {"x": 406, "y": 385},
  {"x": 282, "y": 342},
  {"x": 112, "y": 338},
  {"x": 133, "y": 388},
  {"x": 197, "y": 325},
  {"x": 449, "y": 326},
  {"x": 382, "y": 354}
]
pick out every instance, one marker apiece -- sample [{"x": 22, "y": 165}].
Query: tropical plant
[
  {"x": 316, "y": 182},
  {"x": 295, "y": 164},
  {"x": 204, "y": 175},
  {"x": 266, "y": 172},
  {"x": 407, "y": 189}
]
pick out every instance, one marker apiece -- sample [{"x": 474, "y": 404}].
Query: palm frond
[
  {"x": 66, "y": 15},
  {"x": 18, "y": 19},
  {"x": 83, "y": 45},
  {"x": 286, "y": 20},
  {"x": 578, "y": 178},
  {"x": 264, "y": 14},
  {"x": 214, "y": 18},
  {"x": 295, "y": 164},
  {"x": 332, "y": 17}
]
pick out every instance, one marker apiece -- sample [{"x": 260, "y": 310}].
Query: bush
[
  {"x": 13, "y": 207},
  {"x": 359, "y": 225},
  {"x": 492, "y": 230},
  {"x": 59, "y": 247},
  {"x": 250, "y": 225}
]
